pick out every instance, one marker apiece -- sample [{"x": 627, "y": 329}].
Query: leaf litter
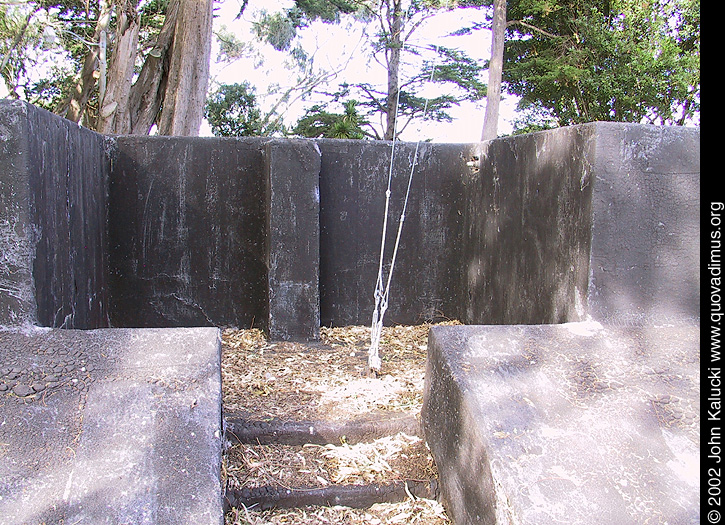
[{"x": 328, "y": 380}]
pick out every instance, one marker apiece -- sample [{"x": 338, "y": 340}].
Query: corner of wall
[
  {"x": 18, "y": 235},
  {"x": 55, "y": 197}
]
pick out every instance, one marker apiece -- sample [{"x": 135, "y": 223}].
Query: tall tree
[
  {"x": 115, "y": 90},
  {"x": 574, "y": 61},
  {"x": 395, "y": 22},
  {"x": 398, "y": 21},
  {"x": 188, "y": 74},
  {"x": 495, "y": 71},
  {"x": 106, "y": 40}
]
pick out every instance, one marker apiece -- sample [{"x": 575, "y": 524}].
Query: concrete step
[
  {"x": 110, "y": 426},
  {"x": 574, "y": 423}
]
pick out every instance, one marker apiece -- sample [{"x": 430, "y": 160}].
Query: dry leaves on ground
[{"x": 328, "y": 380}]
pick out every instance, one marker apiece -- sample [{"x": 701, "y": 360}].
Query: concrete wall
[
  {"x": 285, "y": 234},
  {"x": 53, "y": 244},
  {"x": 645, "y": 257},
  {"x": 188, "y": 233},
  {"x": 426, "y": 281},
  {"x": 528, "y": 227}
]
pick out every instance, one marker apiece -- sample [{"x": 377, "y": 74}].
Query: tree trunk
[
  {"x": 183, "y": 107},
  {"x": 114, "y": 112},
  {"x": 495, "y": 71},
  {"x": 74, "y": 106},
  {"x": 395, "y": 46},
  {"x": 147, "y": 94}
]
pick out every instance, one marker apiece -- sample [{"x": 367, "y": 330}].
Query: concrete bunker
[{"x": 594, "y": 221}]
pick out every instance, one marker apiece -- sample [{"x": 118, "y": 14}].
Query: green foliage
[
  {"x": 326, "y": 10},
  {"x": 53, "y": 34},
  {"x": 458, "y": 70},
  {"x": 152, "y": 14},
  {"x": 451, "y": 69},
  {"x": 18, "y": 38},
  {"x": 230, "y": 47},
  {"x": 232, "y": 111},
  {"x": 318, "y": 123},
  {"x": 280, "y": 28},
  {"x": 47, "y": 93},
  {"x": 277, "y": 29},
  {"x": 583, "y": 61}
]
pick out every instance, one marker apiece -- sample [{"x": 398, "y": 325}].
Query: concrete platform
[
  {"x": 573, "y": 423},
  {"x": 110, "y": 426}
]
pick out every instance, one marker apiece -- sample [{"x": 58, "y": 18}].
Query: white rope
[{"x": 382, "y": 293}]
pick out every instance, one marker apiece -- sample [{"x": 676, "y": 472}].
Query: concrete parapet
[
  {"x": 572, "y": 423},
  {"x": 549, "y": 227},
  {"x": 527, "y": 229},
  {"x": 53, "y": 238},
  {"x": 645, "y": 253}
]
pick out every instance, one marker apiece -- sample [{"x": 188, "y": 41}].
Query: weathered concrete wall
[
  {"x": 53, "y": 190},
  {"x": 528, "y": 228},
  {"x": 645, "y": 256},
  {"x": 293, "y": 172},
  {"x": 188, "y": 233},
  {"x": 426, "y": 282},
  {"x": 285, "y": 234}
]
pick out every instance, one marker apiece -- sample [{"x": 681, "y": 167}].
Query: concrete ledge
[
  {"x": 110, "y": 426},
  {"x": 572, "y": 423}
]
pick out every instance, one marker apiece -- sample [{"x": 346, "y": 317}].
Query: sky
[{"x": 342, "y": 48}]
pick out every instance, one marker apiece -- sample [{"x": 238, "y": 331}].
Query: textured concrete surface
[
  {"x": 110, "y": 426},
  {"x": 527, "y": 229},
  {"x": 293, "y": 175},
  {"x": 188, "y": 232},
  {"x": 547, "y": 227},
  {"x": 53, "y": 245},
  {"x": 645, "y": 254},
  {"x": 574, "y": 423}
]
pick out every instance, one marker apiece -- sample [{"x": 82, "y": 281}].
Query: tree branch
[{"x": 529, "y": 26}]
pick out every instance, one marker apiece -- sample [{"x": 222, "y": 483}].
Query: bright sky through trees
[
  {"x": 345, "y": 49},
  {"x": 571, "y": 61}
]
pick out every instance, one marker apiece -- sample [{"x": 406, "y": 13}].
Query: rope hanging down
[{"x": 382, "y": 291}]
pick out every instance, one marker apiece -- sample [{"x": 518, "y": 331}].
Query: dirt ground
[{"x": 328, "y": 381}]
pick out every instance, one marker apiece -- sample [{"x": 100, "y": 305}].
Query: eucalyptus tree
[{"x": 131, "y": 65}]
